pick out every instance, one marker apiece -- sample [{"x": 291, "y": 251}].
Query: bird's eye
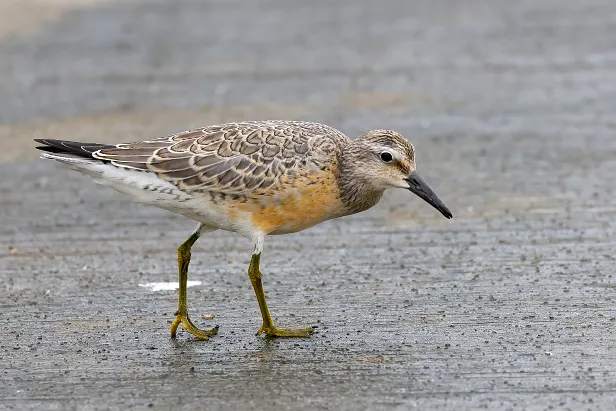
[{"x": 386, "y": 157}]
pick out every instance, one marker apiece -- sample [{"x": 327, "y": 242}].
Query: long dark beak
[{"x": 419, "y": 187}]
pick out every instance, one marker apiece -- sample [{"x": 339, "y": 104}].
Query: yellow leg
[
  {"x": 182, "y": 313},
  {"x": 268, "y": 326}
]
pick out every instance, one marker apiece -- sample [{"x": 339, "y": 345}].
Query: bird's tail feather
[
  {"x": 74, "y": 154},
  {"x": 69, "y": 159}
]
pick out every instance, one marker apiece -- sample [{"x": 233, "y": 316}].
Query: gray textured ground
[{"x": 511, "y": 305}]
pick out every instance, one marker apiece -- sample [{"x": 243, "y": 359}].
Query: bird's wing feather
[{"x": 236, "y": 158}]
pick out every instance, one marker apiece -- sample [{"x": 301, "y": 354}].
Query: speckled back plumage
[{"x": 246, "y": 159}]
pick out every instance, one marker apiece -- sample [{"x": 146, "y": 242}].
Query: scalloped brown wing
[{"x": 250, "y": 158}]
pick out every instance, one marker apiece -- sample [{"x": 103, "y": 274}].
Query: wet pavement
[{"x": 510, "y": 305}]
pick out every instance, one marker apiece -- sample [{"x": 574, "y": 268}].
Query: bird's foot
[
  {"x": 272, "y": 331},
  {"x": 199, "y": 334}
]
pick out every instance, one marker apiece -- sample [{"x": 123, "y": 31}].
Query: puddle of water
[{"x": 167, "y": 286}]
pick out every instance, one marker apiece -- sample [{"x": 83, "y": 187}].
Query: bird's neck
[{"x": 356, "y": 195}]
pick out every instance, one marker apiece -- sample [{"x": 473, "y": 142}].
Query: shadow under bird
[{"x": 254, "y": 178}]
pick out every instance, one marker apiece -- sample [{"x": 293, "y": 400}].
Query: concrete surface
[{"x": 511, "y": 305}]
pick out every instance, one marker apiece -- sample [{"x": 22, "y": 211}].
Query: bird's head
[{"x": 384, "y": 159}]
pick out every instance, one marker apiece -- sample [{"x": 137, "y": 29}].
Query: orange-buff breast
[{"x": 307, "y": 201}]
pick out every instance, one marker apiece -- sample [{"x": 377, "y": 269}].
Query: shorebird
[{"x": 254, "y": 178}]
